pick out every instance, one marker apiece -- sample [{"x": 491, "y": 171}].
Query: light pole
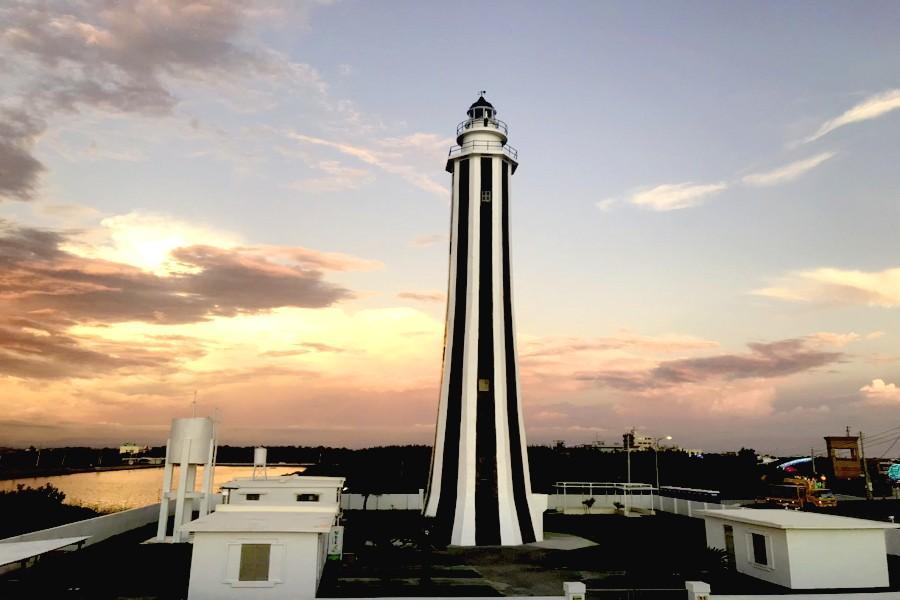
[{"x": 656, "y": 463}]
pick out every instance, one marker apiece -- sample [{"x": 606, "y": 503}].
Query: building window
[
  {"x": 254, "y": 562},
  {"x": 760, "y": 549},
  {"x": 484, "y": 385},
  {"x": 252, "y": 497},
  {"x": 486, "y": 196},
  {"x": 307, "y": 497}
]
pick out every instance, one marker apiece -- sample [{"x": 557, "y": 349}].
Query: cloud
[
  {"x": 764, "y": 361},
  {"x": 337, "y": 178},
  {"x": 35, "y": 350},
  {"x": 662, "y": 344},
  {"x": 880, "y": 393},
  {"x": 838, "y": 287},
  {"x": 788, "y": 172},
  {"x": 423, "y": 296},
  {"x": 389, "y": 156},
  {"x": 119, "y": 57},
  {"x": 37, "y": 274},
  {"x": 676, "y": 195},
  {"x": 606, "y": 204},
  {"x": 870, "y": 108},
  {"x": 426, "y": 240},
  {"x": 19, "y": 170}
]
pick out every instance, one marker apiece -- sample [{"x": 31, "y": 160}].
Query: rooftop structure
[{"x": 270, "y": 540}]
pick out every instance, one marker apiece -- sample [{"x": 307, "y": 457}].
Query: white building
[
  {"x": 132, "y": 449},
  {"x": 801, "y": 550},
  {"x": 254, "y": 553},
  {"x": 269, "y": 539},
  {"x": 305, "y": 493}
]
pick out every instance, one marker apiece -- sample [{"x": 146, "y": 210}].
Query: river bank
[{"x": 32, "y": 472}]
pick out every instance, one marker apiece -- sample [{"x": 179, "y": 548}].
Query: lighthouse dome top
[{"x": 481, "y": 108}]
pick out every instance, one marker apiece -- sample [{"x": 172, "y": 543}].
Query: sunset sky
[{"x": 249, "y": 200}]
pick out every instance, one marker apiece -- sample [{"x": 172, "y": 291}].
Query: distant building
[
  {"x": 132, "y": 449},
  {"x": 801, "y": 550},
  {"x": 634, "y": 441},
  {"x": 843, "y": 452}
]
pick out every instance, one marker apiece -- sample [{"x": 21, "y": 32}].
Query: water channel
[{"x": 118, "y": 490}]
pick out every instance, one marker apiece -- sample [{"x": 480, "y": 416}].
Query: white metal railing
[
  {"x": 482, "y": 122},
  {"x": 485, "y": 146}
]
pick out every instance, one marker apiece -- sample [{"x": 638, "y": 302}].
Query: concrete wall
[
  {"x": 837, "y": 559},
  {"x": 295, "y": 565},
  {"x": 603, "y": 503},
  {"x": 99, "y": 528},
  {"x": 686, "y": 508},
  {"x": 861, "y": 596},
  {"x": 383, "y": 502},
  {"x": 892, "y": 540}
]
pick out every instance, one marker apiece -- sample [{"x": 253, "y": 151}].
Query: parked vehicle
[{"x": 800, "y": 493}]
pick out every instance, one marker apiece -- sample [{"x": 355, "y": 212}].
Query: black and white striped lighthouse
[{"x": 479, "y": 489}]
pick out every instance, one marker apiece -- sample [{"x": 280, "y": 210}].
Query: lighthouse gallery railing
[
  {"x": 485, "y": 145},
  {"x": 482, "y": 122}
]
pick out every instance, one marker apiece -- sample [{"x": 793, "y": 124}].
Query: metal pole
[
  {"x": 656, "y": 463},
  {"x": 628, "y": 487},
  {"x": 862, "y": 454}
]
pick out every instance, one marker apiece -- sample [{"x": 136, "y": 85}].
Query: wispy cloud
[
  {"x": 870, "y": 108},
  {"x": 426, "y": 240},
  {"x": 674, "y": 196},
  {"x": 606, "y": 204},
  {"x": 788, "y": 172},
  {"x": 336, "y": 178},
  {"x": 387, "y": 159},
  {"x": 838, "y": 287},
  {"x": 434, "y": 296},
  {"x": 880, "y": 393}
]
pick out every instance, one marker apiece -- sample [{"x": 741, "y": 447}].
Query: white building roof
[
  {"x": 262, "y": 520},
  {"x": 11, "y": 552},
  {"x": 793, "y": 519},
  {"x": 287, "y": 481}
]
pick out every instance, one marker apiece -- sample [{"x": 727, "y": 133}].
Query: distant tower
[{"x": 479, "y": 489}]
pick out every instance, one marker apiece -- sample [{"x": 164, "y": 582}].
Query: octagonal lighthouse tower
[{"x": 479, "y": 489}]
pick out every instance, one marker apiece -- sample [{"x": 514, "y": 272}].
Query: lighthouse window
[
  {"x": 478, "y": 113},
  {"x": 486, "y": 196},
  {"x": 484, "y": 385},
  {"x": 252, "y": 497},
  {"x": 307, "y": 497}
]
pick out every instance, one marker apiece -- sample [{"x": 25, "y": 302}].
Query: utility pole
[
  {"x": 812, "y": 456},
  {"x": 862, "y": 454}
]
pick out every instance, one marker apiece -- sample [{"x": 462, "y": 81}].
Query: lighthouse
[{"x": 479, "y": 490}]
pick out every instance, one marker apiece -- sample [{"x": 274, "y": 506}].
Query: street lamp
[{"x": 656, "y": 463}]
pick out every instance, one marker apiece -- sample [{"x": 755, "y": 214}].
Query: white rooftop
[
  {"x": 286, "y": 481},
  {"x": 11, "y": 552},
  {"x": 259, "y": 520},
  {"x": 793, "y": 519}
]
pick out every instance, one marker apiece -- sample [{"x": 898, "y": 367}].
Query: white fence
[{"x": 98, "y": 528}]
